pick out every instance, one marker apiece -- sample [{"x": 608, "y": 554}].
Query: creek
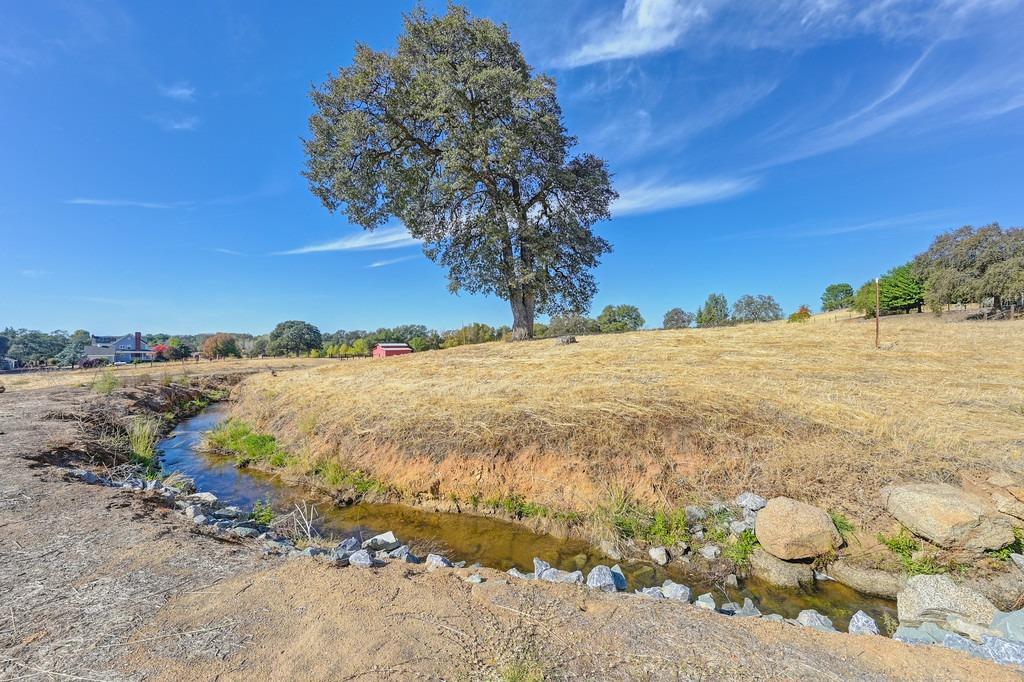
[{"x": 494, "y": 543}]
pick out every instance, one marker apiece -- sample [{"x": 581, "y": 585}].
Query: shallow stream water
[{"x": 494, "y": 543}]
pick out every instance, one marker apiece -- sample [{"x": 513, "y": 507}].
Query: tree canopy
[
  {"x": 677, "y": 318},
  {"x": 969, "y": 265},
  {"x": 837, "y": 297},
  {"x": 294, "y": 337},
  {"x": 714, "y": 312},
  {"x": 759, "y": 308},
  {"x": 619, "y": 318},
  {"x": 456, "y": 136},
  {"x": 221, "y": 345},
  {"x": 899, "y": 290}
]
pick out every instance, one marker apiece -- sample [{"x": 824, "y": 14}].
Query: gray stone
[
  {"x": 926, "y": 633},
  {"x": 710, "y": 552},
  {"x": 399, "y": 552},
  {"x": 437, "y": 561},
  {"x": 458, "y": 564},
  {"x": 208, "y": 499},
  {"x": 659, "y": 555},
  {"x": 1018, "y": 560},
  {"x": 85, "y": 476},
  {"x": 516, "y": 573},
  {"x": 361, "y": 559},
  {"x": 192, "y": 510},
  {"x": 718, "y": 507},
  {"x": 652, "y": 592},
  {"x": 244, "y": 532},
  {"x": 773, "y": 617},
  {"x": 384, "y": 541},
  {"x": 705, "y": 601},
  {"x": 1010, "y": 625},
  {"x": 948, "y": 516},
  {"x": 277, "y": 546},
  {"x": 697, "y": 533},
  {"x": 1003, "y": 650},
  {"x": 731, "y": 581},
  {"x": 227, "y": 513},
  {"x": 812, "y": 619},
  {"x": 476, "y": 579},
  {"x": 554, "y": 575},
  {"x": 199, "y": 519},
  {"x": 934, "y": 598},
  {"x": 971, "y": 630},
  {"x": 729, "y": 608},
  {"x": 694, "y": 513},
  {"x": 951, "y": 640},
  {"x": 154, "y": 485},
  {"x": 539, "y": 566},
  {"x": 751, "y": 501},
  {"x": 862, "y": 624},
  {"x": 737, "y": 527},
  {"x": 381, "y": 555},
  {"x": 601, "y": 578},
  {"x": 871, "y": 581},
  {"x": 675, "y": 591},
  {"x": 313, "y": 552},
  {"x": 610, "y": 550},
  {"x": 619, "y": 576},
  {"x": 748, "y": 610},
  {"x": 348, "y": 544}
]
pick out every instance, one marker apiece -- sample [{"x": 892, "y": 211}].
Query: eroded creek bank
[{"x": 491, "y": 542}]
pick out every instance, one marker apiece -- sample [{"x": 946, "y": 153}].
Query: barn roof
[{"x": 393, "y": 345}]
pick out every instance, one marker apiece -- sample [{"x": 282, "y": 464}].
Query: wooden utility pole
[{"x": 878, "y": 314}]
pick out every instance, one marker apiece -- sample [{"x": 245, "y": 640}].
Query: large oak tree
[{"x": 458, "y": 138}]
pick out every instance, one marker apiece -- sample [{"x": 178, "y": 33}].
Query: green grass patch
[
  {"x": 633, "y": 521},
  {"x": 262, "y": 513},
  {"x": 106, "y": 383},
  {"x": 1015, "y": 547},
  {"x": 742, "y": 548},
  {"x": 337, "y": 476},
  {"x": 248, "y": 447},
  {"x": 143, "y": 433},
  {"x": 904, "y": 546},
  {"x": 842, "y": 524}
]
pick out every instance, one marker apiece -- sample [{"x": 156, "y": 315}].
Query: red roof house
[{"x": 386, "y": 350}]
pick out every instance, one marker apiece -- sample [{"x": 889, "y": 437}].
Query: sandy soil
[{"x": 105, "y": 585}]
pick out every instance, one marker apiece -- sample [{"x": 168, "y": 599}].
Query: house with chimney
[{"x": 118, "y": 349}]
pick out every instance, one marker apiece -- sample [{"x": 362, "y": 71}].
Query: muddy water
[{"x": 463, "y": 537}]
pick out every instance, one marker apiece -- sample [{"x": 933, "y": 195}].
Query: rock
[
  {"x": 208, "y": 499},
  {"x": 361, "y": 559},
  {"x": 790, "y": 529},
  {"x": 1018, "y": 560},
  {"x": 476, "y": 579},
  {"x": 381, "y": 555},
  {"x": 244, "y": 532},
  {"x": 1010, "y": 625},
  {"x": 1008, "y": 504},
  {"x": 85, "y": 476},
  {"x": 199, "y": 519},
  {"x": 926, "y": 633},
  {"x": 610, "y": 550},
  {"x": 1002, "y": 479},
  {"x": 812, "y": 619},
  {"x": 948, "y": 516},
  {"x": 748, "y": 610},
  {"x": 278, "y": 547},
  {"x": 729, "y": 608},
  {"x": 580, "y": 560},
  {"x": 705, "y": 601},
  {"x": 384, "y": 541},
  {"x": 437, "y": 561},
  {"x": 601, "y": 578},
  {"x": 652, "y": 592},
  {"x": 154, "y": 485},
  {"x": 697, "y": 533},
  {"x": 710, "y": 552},
  {"x": 773, "y": 617},
  {"x": 778, "y": 572},
  {"x": 516, "y": 573},
  {"x": 539, "y": 566},
  {"x": 554, "y": 575},
  {"x": 751, "y": 501},
  {"x": 718, "y": 507},
  {"x": 737, "y": 527},
  {"x": 399, "y": 552},
  {"x": 227, "y": 513},
  {"x": 565, "y": 340},
  {"x": 675, "y": 591},
  {"x": 731, "y": 581},
  {"x": 934, "y": 598},
  {"x": 951, "y": 640},
  {"x": 871, "y": 581},
  {"x": 694, "y": 513},
  {"x": 347, "y": 544},
  {"x": 659, "y": 555},
  {"x": 862, "y": 624},
  {"x": 619, "y": 577},
  {"x": 972, "y": 630},
  {"x": 1003, "y": 650},
  {"x": 313, "y": 552}
]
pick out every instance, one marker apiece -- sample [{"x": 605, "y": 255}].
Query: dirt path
[{"x": 106, "y": 585}]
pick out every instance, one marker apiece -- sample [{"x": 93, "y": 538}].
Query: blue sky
[{"x": 149, "y": 173}]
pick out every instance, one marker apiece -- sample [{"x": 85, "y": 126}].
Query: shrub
[
  {"x": 143, "y": 433},
  {"x": 740, "y": 550},
  {"x": 904, "y": 546},
  {"x": 801, "y": 315},
  {"x": 262, "y": 513},
  {"x": 842, "y": 524},
  {"x": 106, "y": 383}
]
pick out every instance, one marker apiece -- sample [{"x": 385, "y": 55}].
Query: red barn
[{"x": 386, "y": 350}]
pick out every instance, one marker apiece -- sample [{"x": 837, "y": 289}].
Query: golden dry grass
[
  {"x": 128, "y": 374},
  {"x": 809, "y": 410}
]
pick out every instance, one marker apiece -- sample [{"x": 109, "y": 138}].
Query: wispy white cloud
[
  {"x": 181, "y": 91},
  {"x": 177, "y": 123},
  {"x": 124, "y": 203},
  {"x": 389, "y": 261},
  {"x": 34, "y": 274},
  {"x": 394, "y": 237},
  {"x": 651, "y": 196},
  {"x": 230, "y": 252},
  {"x": 909, "y": 221}
]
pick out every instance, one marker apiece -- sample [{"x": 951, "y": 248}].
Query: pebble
[
  {"x": 244, "y": 532},
  {"x": 751, "y": 501},
  {"x": 539, "y": 566},
  {"x": 199, "y": 519},
  {"x": 659, "y": 555},
  {"x": 729, "y": 608},
  {"x": 705, "y": 601},
  {"x": 437, "y": 561},
  {"x": 675, "y": 591},
  {"x": 516, "y": 573},
  {"x": 731, "y": 581},
  {"x": 812, "y": 619},
  {"x": 748, "y": 609},
  {"x": 601, "y": 578},
  {"x": 554, "y": 575},
  {"x": 476, "y": 579},
  {"x": 619, "y": 577},
  {"x": 652, "y": 592},
  {"x": 862, "y": 624},
  {"x": 361, "y": 559},
  {"x": 384, "y": 541},
  {"x": 694, "y": 513},
  {"x": 203, "y": 498},
  {"x": 85, "y": 476},
  {"x": 710, "y": 552}
]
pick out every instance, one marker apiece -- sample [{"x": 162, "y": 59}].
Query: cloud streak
[
  {"x": 389, "y": 261},
  {"x": 178, "y": 123},
  {"x": 394, "y": 237},
  {"x": 183, "y": 92},
  {"x": 652, "y": 196},
  {"x": 120, "y": 203}
]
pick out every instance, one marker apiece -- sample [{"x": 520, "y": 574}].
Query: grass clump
[
  {"x": 1015, "y": 547},
  {"x": 521, "y": 671},
  {"x": 629, "y": 519},
  {"x": 742, "y": 548},
  {"x": 337, "y": 476},
  {"x": 842, "y": 524},
  {"x": 907, "y": 550},
  {"x": 106, "y": 383},
  {"x": 143, "y": 432},
  {"x": 248, "y": 447},
  {"x": 262, "y": 513}
]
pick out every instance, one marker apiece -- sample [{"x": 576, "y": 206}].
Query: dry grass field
[{"x": 809, "y": 410}]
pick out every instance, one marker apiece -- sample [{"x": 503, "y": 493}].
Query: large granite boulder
[
  {"x": 936, "y": 598},
  {"x": 790, "y": 529},
  {"x": 871, "y": 581},
  {"x": 778, "y": 572},
  {"x": 947, "y": 516}
]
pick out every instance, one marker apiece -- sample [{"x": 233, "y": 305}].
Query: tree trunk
[{"x": 522, "y": 315}]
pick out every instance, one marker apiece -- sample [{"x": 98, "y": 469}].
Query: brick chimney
[{"x": 138, "y": 340}]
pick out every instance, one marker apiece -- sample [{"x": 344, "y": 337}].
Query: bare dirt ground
[{"x": 97, "y": 584}]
